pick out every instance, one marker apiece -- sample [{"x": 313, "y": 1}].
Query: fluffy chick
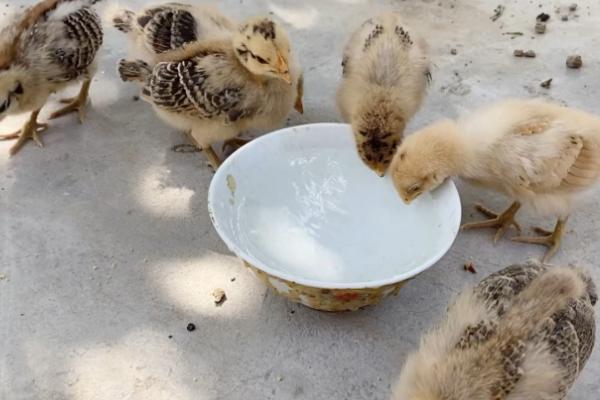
[
  {"x": 216, "y": 89},
  {"x": 523, "y": 333},
  {"x": 46, "y": 48},
  {"x": 160, "y": 28},
  {"x": 385, "y": 74},
  {"x": 540, "y": 154}
]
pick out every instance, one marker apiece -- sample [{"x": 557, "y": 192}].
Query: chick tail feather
[
  {"x": 122, "y": 19},
  {"x": 545, "y": 296},
  {"x": 137, "y": 70}
]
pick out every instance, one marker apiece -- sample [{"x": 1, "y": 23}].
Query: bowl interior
[{"x": 300, "y": 204}]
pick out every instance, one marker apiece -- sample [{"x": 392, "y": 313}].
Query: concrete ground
[{"x": 107, "y": 251}]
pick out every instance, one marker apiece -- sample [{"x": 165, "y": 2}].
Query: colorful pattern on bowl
[{"x": 326, "y": 299}]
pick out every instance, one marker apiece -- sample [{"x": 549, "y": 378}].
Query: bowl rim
[{"x": 249, "y": 258}]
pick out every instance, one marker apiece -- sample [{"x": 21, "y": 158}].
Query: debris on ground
[
  {"x": 191, "y": 327},
  {"x": 219, "y": 296},
  {"x": 564, "y": 18},
  {"x": 453, "y": 52},
  {"x": 574, "y": 62},
  {"x": 232, "y": 279},
  {"x": 2, "y": 276},
  {"x": 543, "y": 17},
  {"x": 498, "y": 11},
  {"x": 522, "y": 53},
  {"x": 540, "y": 27},
  {"x": 546, "y": 84},
  {"x": 186, "y": 148},
  {"x": 470, "y": 267},
  {"x": 513, "y": 34},
  {"x": 170, "y": 336},
  {"x": 135, "y": 98},
  {"x": 573, "y": 7}
]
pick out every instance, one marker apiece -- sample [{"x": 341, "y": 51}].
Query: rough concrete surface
[{"x": 107, "y": 251}]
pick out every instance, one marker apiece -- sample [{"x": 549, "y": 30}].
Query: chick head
[
  {"x": 263, "y": 47},
  {"x": 424, "y": 160},
  {"x": 377, "y": 133},
  {"x": 11, "y": 91}
]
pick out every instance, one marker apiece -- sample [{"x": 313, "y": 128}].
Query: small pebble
[
  {"x": 170, "y": 336},
  {"x": 219, "y": 297},
  {"x": 135, "y": 98},
  {"x": 191, "y": 327},
  {"x": 543, "y": 17},
  {"x": 540, "y": 28},
  {"x": 529, "y": 54},
  {"x": 573, "y": 7},
  {"x": 232, "y": 279},
  {"x": 453, "y": 52},
  {"x": 564, "y": 18},
  {"x": 546, "y": 84},
  {"x": 574, "y": 62},
  {"x": 470, "y": 266},
  {"x": 518, "y": 53}
]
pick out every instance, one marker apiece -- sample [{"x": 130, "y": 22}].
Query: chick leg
[
  {"x": 549, "y": 239},
  {"x": 75, "y": 104},
  {"x": 29, "y": 131},
  {"x": 501, "y": 221},
  {"x": 213, "y": 158}
]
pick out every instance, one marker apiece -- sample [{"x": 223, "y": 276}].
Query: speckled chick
[
  {"x": 524, "y": 333},
  {"x": 540, "y": 154},
  {"x": 43, "y": 50},
  {"x": 216, "y": 89},
  {"x": 160, "y": 28},
  {"x": 385, "y": 74}
]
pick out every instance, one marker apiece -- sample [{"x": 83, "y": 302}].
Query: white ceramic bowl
[{"x": 303, "y": 211}]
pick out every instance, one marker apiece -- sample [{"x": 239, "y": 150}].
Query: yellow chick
[
  {"x": 385, "y": 74},
  {"x": 539, "y": 154},
  {"x": 523, "y": 333},
  {"x": 43, "y": 50}
]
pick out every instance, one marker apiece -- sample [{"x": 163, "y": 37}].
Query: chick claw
[
  {"x": 550, "y": 239},
  {"x": 75, "y": 104},
  {"x": 30, "y": 130},
  {"x": 501, "y": 221}
]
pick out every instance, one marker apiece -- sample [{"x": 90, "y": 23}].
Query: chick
[
  {"x": 217, "y": 88},
  {"x": 169, "y": 26},
  {"x": 539, "y": 154},
  {"x": 385, "y": 74},
  {"x": 523, "y": 333},
  {"x": 46, "y": 48}
]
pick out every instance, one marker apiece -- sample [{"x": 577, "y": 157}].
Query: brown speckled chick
[
  {"x": 43, "y": 50},
  {"x": 385, "y": 74},
  {"x": 243, "y": 74},
  {"x": 524, "y": 333}
]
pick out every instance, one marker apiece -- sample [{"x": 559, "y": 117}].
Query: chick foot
[
  {"x": 30, "y": 130},
  {"x": 234, "y": 144},
  {"x": 501, "y": 221},
  {"x": 550, "y": 239},
  {"x": 75, "y": 104},
  {"x": 213, "y": 158}
]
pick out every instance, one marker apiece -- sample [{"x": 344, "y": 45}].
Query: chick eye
[
  {"x": 414, "y": 188},
  {"x": 4, "y": 106},
  {"x": 402, "y": 156},
  {"x": 18, "y": 89},
  {"x": 261, "y": 60}
]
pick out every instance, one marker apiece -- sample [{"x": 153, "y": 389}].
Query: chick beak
[
  {"x": 407, "y": 200},
  {"x": 379, "y": 171},
  {"x": 299, "y": 106},
  {"x": 283, "y": 69}
]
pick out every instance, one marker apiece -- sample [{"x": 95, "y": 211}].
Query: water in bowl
[{"x": 321, "y": 225}]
